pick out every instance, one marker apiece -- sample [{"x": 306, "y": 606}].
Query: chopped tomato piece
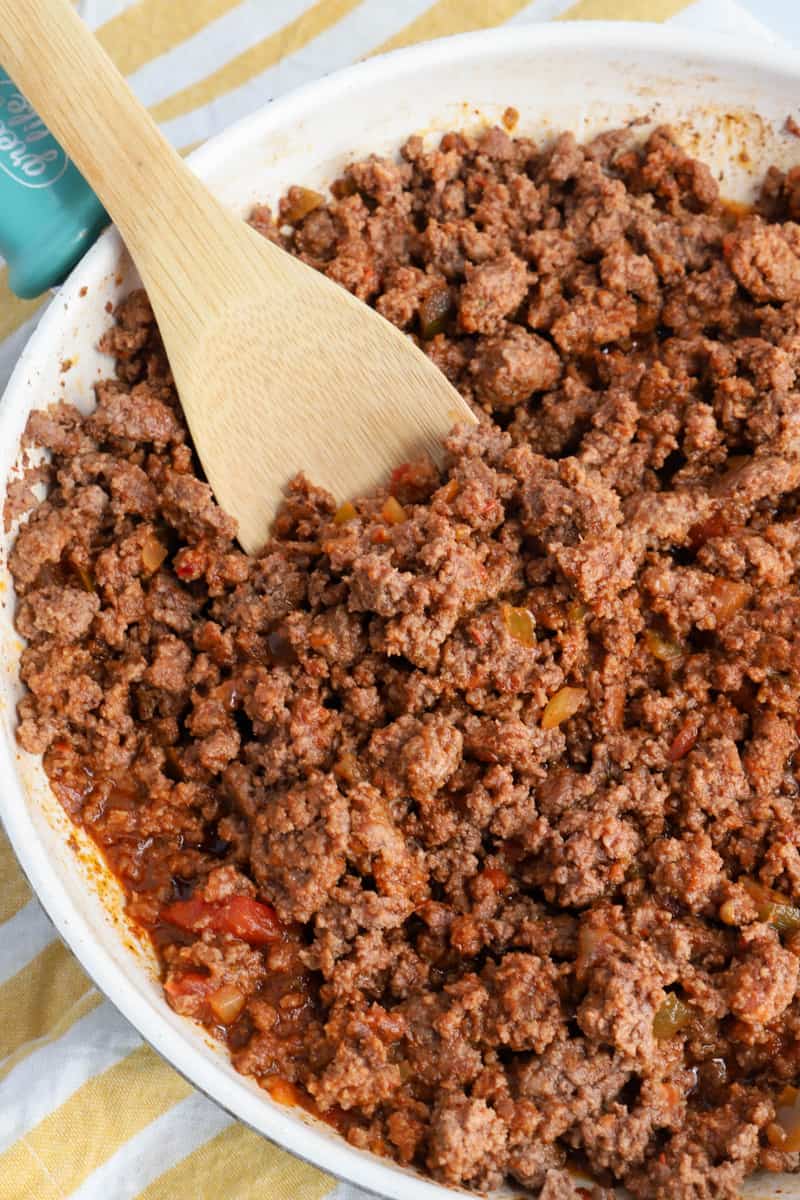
[
  {"x": 496, "y": 877},
  {"x": 241, "y": 916},
  {"x": 187, "y": 914},
  {"x": 400, "y": 477},
  {"x": 283, "y": 1091},
  {"x": 250, "y": 920},
  {"x": 684, "y": 740},
  {"x": 190, "y": 563}
]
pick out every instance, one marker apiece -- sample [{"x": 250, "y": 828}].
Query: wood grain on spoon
[{"x": 278, "y": 369}]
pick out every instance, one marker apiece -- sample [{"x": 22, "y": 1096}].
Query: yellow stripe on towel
[
  {"x": 239, "y": 1163},
  {"x": 452, "y": 16},
  {"x": 85, "y": 1004},
  {"x": 150, "y": 28},
  {"x": 260, "y": 57},
  {"x": 13, "y": 311},
  {"x": 65, "y": 1148},
  {"x": 623, "y": 10},
  {"x": 27, "y": 1177},
  {"x": 35, "y": 999},
  {"x": 14, "y": 890}
]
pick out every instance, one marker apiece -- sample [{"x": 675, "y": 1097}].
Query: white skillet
[{"x": 728, "y": 102}]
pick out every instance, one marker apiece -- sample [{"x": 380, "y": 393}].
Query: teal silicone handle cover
[{"x": 49, "y": 216}]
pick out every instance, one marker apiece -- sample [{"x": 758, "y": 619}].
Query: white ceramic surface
[{"x": 728, "y": 102}]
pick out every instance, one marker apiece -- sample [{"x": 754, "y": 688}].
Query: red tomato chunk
[{"x": 250, "y": 920}]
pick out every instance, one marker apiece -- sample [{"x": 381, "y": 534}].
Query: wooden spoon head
[{"x": 291, "y": 373}]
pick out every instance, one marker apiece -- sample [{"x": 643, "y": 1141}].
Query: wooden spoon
[{"x": 278, "y": 368}]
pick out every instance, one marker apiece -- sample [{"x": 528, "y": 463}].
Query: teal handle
[{"x": 49, "y": 216}]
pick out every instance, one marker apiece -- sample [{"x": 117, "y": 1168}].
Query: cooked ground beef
[{"x": 467, "y": 812}]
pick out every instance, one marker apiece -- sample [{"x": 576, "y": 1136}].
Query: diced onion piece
[
  {"x": 735, "y": 462},
  {"x": 576, "y": 613},
  {"x": 393, "y": 511},
  {"x": 172, "y": 763},
  {"x": 761, "y": 893},
  {"x": 662, "y": 648},
  {"x": 729, "y": 596},
  {"x": 715, "y": 526},
  {"x": 787, "y": 1117},
  {"x": 226, "y": 1003},
  {"x": 122, "y": 796},
  {"x": 153, "y": 553},
  {"x": 346, "y": 767},
  {"x": 291, "y": 1001},
  {"x": 433, "y": 311},
  {"x": 449, "y": 491},
  {"x": 773, "y": 907},
  {"x": 590, "y": 948},
  {"x": 563, "y": 705},
  {"x": 344, "y": 513},
  {"x": 85, "y": 576},
  {"x": 671, "y": 1017},
  {"x": 299, "y": 203},
  {"x": 776, "y": 1135},
  {"x": 520, "y": 624}
]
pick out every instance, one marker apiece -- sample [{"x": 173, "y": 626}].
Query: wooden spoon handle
[{"x": 164, "y": 214}]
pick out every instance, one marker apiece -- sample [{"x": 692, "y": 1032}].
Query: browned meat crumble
[{"x": 467, "y": 813}]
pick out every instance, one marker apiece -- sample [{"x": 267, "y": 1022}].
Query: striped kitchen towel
[{"x": 86, "y": 1110}]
